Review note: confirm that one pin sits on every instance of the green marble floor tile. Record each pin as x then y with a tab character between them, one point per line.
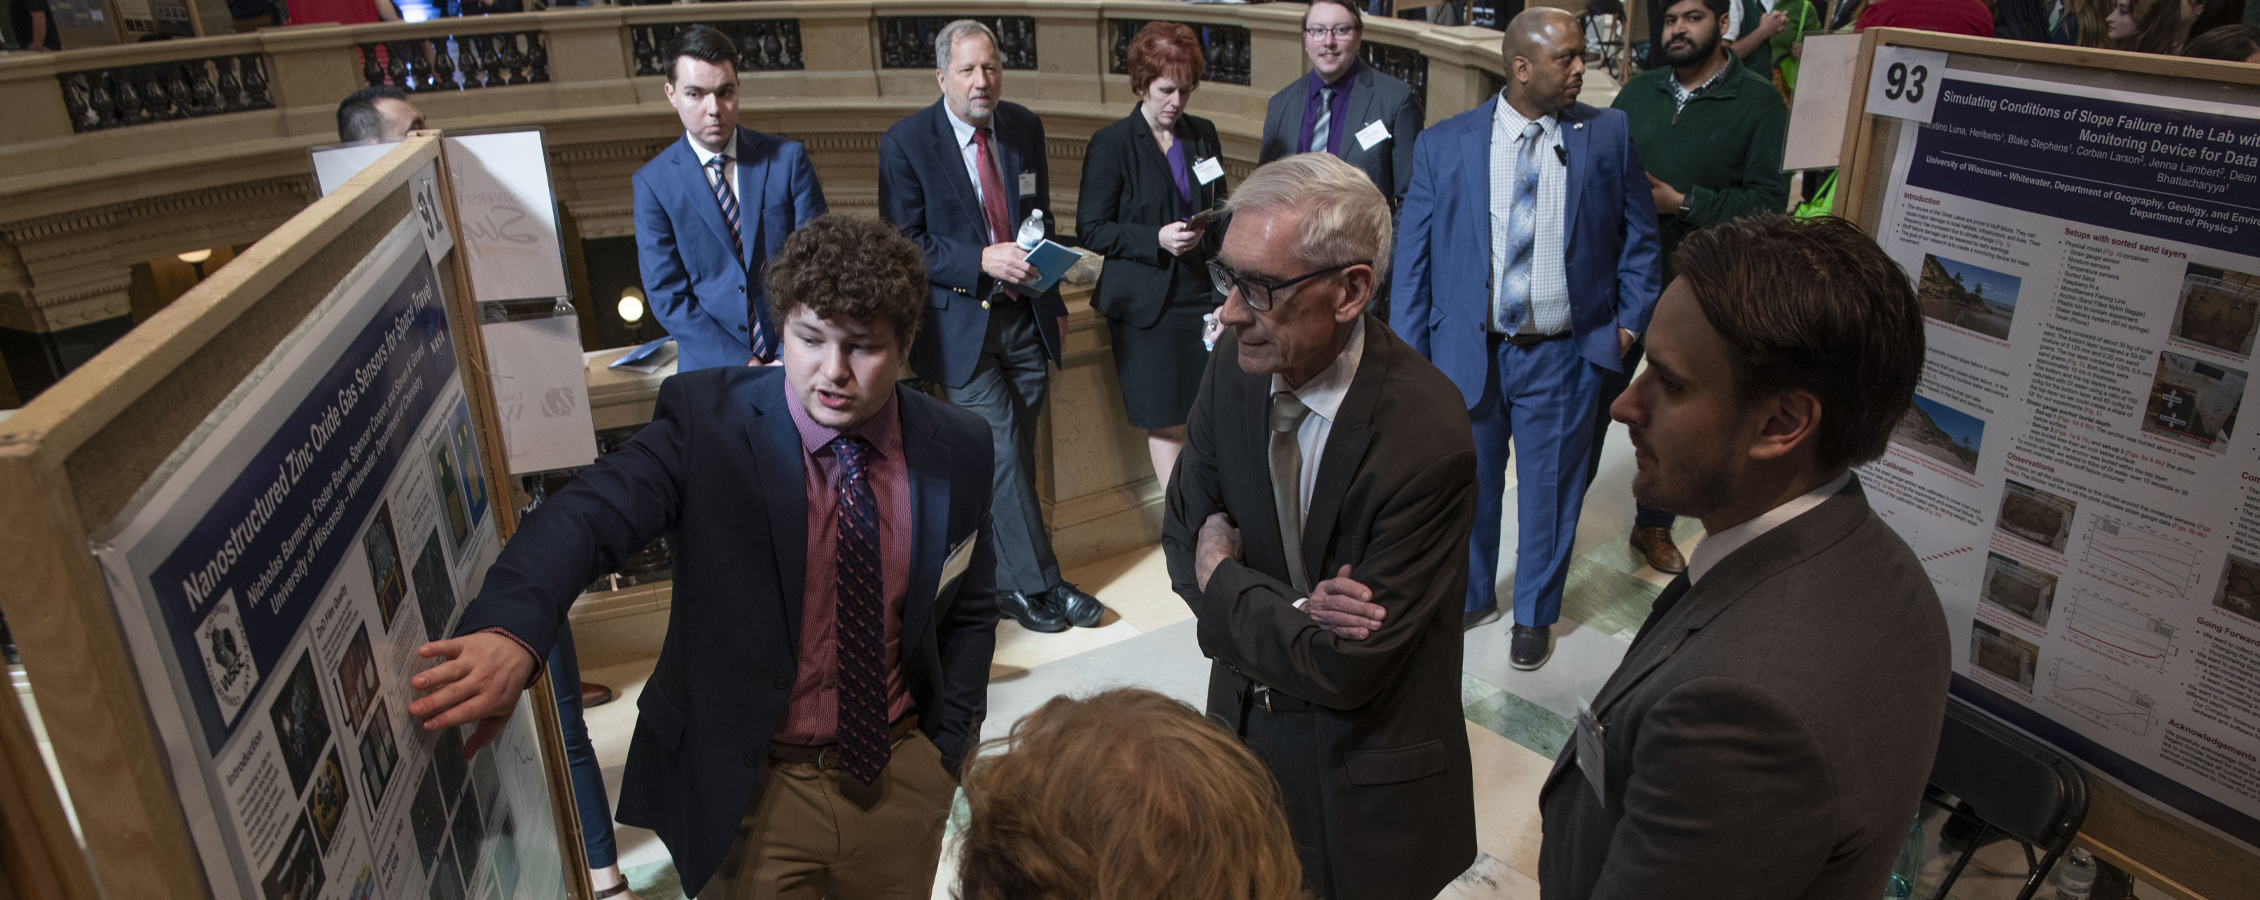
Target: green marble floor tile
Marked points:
1475	690
655	881
1541	730
1605	599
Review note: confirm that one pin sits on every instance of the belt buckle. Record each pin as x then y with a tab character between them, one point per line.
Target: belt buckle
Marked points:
828	756
1263	695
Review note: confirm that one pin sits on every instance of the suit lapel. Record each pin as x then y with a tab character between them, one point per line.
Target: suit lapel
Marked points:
1573	178
1346	444
953	165
698	194
780	468
1251	432
928	460
1008	174
1476	210
753	178
1294	119
1364	108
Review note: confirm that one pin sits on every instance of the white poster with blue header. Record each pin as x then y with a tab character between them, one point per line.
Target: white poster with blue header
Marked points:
2077	472
274	580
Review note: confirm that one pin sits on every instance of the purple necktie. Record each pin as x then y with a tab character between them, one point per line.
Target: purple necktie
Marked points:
861	623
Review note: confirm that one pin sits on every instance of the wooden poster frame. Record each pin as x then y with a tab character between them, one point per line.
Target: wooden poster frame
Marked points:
70	461
2166	852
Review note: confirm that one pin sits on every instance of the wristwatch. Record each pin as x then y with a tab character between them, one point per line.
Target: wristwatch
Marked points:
1686	206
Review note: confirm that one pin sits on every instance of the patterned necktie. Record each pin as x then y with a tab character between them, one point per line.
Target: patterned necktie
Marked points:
1522	233
1287	412
861	624
756	313
992	189
1321	130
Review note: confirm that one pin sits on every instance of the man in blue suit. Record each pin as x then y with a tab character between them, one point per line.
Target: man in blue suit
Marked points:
826	663
1526	266
712	207
959	177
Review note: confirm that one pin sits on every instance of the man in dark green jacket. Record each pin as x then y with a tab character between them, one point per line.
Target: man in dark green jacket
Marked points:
1710	132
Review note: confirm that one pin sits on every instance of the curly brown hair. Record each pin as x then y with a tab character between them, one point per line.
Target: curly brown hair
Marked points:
855	267
1165	50
1125	795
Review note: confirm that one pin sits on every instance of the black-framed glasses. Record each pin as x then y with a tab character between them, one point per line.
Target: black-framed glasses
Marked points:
1319	32
1258	294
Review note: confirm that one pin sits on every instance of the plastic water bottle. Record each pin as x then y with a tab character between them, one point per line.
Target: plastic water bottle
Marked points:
1901	884
1031	231
2075	879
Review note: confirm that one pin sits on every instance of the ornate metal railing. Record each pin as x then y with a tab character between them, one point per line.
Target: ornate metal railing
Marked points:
164	91
764	45
456	62
1223	47
907	42
1408	66
1485	14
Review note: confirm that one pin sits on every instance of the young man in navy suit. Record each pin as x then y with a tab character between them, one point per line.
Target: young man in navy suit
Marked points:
959	177
1527	265
712	208
826	664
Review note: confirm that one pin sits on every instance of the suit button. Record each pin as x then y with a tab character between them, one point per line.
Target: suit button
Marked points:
741	289
753	760
741	328
984	304
784	681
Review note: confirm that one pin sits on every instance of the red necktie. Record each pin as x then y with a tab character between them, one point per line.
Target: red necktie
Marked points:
992	188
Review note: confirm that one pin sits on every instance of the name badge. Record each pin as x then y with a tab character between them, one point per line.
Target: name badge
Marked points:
1027	184
960	557
1372	134
1592	751
1208	170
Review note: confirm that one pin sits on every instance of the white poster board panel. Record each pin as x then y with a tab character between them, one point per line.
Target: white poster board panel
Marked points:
541	393
336	165
274	580
1824	97
508	214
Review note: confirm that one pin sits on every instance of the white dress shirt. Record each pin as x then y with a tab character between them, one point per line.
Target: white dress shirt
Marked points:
1323	393
1723	544
972	155
705	165
1548	309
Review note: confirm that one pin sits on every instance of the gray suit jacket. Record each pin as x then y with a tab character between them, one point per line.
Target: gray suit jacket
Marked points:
1771	735
1376	96
1395	501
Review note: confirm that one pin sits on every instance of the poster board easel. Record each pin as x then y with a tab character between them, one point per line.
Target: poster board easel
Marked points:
75	457
2129	830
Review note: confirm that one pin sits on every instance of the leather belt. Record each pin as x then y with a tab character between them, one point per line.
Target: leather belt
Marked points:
1531	340
1256	694
827	756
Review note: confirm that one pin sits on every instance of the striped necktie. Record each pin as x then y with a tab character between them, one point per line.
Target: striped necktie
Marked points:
1322	130
757	313
861	624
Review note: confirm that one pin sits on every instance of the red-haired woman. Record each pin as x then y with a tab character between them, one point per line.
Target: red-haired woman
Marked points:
1143	179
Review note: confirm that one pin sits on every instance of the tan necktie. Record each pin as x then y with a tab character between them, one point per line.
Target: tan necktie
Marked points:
1287	414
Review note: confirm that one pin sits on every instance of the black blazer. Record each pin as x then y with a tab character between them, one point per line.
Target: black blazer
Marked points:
1770	737
719	472
1127	195
1394	500
1374	97
924	190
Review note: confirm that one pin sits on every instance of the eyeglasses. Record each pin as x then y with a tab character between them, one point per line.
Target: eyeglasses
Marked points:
1258	294
1319	32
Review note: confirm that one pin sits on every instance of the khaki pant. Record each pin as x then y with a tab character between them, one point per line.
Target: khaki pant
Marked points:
805	839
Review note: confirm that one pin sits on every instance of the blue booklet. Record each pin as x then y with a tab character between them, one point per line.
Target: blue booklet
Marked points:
1052	260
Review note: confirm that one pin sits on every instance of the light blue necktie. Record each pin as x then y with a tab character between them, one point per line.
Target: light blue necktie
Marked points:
1522	233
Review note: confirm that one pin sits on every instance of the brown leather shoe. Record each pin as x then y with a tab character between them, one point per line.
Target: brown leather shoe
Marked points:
593	694
1657	546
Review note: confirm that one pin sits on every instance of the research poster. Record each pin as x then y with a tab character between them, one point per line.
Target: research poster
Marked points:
274	581
2075	472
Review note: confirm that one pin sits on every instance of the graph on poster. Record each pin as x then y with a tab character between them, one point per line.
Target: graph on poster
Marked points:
2141	558
2100	699
2121	633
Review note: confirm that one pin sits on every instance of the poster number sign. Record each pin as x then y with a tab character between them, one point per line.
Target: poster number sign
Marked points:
423	191
1903	82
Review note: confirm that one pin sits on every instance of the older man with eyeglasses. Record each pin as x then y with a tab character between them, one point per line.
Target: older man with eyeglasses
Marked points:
1318	526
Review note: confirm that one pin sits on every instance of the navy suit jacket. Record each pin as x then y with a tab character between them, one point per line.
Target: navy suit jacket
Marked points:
925	191
719	472
1442	277
697	287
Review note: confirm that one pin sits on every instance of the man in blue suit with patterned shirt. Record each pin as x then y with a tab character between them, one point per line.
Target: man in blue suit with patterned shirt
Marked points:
713	207
1526	266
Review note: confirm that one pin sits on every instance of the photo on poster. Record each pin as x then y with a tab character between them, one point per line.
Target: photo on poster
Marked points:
2239	591
325	804
435	594
1966	296
470	830
1941	432
2026	592
364	885
427	817
226	649
2193	403
297	872
2036	515
383	553
447	881
357	677
302	722
451	493
2219	308
447	758
380	755
466	446
2006	655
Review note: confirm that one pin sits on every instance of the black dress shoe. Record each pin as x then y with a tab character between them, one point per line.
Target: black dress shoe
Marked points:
1532	645
1080	609
1034	613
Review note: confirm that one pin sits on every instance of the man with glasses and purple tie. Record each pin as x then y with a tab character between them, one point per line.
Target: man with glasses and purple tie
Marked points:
712	208
1345	107
1526	265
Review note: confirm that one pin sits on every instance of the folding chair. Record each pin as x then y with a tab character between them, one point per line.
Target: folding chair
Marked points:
2009	785
1603	22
